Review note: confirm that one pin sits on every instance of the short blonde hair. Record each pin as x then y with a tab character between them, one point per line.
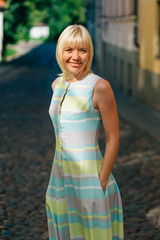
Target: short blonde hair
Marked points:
76	35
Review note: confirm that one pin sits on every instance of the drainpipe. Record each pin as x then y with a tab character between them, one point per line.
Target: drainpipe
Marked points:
136	24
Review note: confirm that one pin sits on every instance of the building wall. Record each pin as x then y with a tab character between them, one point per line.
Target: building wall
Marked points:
90	14
116	53
148	88
124	56
148	24
39	31
98	50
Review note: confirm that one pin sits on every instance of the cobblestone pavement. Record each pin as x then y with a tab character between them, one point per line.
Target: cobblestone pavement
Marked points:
137	172
26	152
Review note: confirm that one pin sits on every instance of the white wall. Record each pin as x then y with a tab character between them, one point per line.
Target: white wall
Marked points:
118	27
39	31
113	8
120	34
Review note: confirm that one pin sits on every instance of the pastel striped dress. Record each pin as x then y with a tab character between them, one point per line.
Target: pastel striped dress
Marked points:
77	208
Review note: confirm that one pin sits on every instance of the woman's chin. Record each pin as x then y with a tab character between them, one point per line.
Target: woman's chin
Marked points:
75	71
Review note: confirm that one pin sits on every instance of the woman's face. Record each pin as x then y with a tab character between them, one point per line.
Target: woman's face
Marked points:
75	58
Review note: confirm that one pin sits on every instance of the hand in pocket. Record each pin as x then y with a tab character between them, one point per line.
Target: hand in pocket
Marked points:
103	184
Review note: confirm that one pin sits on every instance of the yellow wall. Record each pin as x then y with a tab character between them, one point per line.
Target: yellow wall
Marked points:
148	30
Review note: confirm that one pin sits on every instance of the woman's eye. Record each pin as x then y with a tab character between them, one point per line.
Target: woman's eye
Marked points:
68	50
83	50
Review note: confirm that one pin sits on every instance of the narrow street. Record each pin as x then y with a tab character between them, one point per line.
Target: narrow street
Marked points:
27	147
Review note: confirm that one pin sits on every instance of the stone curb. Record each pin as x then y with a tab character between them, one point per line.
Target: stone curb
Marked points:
140	115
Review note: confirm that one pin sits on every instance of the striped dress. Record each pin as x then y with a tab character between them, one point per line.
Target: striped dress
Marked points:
77	208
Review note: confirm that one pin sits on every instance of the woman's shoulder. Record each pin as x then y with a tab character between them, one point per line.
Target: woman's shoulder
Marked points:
54	82
102	85
103	93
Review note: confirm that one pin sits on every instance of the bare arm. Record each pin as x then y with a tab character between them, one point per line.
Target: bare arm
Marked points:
103	99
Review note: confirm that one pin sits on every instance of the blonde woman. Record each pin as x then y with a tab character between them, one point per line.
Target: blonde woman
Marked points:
83	201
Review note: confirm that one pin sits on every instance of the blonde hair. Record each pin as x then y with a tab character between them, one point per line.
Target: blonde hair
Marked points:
76	35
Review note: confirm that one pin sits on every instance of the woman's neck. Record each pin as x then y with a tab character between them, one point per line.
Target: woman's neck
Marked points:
77	77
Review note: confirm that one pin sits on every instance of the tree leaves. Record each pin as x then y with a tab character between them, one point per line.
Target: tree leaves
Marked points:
58	14
63	13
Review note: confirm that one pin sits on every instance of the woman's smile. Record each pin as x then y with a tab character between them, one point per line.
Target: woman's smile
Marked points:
75	59
74	64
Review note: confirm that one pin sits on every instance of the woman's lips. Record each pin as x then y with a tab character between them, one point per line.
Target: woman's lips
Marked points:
75	64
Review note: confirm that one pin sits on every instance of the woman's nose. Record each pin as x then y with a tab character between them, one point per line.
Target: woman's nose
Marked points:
75	54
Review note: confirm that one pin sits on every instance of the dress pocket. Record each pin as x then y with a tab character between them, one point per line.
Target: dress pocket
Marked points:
101	185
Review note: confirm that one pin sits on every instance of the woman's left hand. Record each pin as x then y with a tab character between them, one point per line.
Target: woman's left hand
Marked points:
103	183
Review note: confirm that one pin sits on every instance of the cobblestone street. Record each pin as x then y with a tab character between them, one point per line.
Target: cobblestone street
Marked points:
27	149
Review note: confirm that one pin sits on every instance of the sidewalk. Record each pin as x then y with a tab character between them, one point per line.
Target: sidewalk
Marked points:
5	68
22	49
140	115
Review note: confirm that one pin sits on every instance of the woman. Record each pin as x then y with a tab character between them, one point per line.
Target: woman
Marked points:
82	199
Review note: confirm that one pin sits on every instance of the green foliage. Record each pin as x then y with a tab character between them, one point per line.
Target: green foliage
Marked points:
41	39
63	13
17	21
20	16
10	52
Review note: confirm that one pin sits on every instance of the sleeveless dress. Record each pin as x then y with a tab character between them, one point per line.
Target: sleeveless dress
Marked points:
76	206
